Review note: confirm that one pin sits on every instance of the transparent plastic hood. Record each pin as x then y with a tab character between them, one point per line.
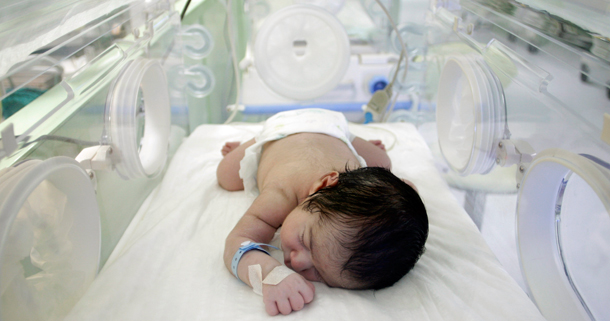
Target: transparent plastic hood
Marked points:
26	25
83	84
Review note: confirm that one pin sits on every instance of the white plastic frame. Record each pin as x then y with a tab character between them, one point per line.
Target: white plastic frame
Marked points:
68	177
145	158
541	263
481	116
299	82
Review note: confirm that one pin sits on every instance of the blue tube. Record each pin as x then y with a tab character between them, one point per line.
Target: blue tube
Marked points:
340	107
368	117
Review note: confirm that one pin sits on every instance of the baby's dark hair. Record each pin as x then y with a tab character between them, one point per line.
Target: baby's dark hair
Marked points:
386	220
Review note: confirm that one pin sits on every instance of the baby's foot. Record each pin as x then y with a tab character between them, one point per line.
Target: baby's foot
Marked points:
377	143
229	147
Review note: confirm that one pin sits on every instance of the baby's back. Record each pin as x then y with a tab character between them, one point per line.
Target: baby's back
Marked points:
294	163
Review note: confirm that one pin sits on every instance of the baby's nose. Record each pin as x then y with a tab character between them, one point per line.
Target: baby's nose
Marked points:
299	261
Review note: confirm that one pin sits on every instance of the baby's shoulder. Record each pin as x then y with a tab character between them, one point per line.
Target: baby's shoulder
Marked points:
284	177
291	179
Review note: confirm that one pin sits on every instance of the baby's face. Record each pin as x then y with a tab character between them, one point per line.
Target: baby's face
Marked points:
309	248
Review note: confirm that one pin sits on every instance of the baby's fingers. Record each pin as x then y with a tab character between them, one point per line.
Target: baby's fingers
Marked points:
296	302
271	308
284	306
308	293
377	143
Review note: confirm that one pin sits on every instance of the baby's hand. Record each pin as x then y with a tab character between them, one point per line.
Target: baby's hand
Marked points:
289	295
377	143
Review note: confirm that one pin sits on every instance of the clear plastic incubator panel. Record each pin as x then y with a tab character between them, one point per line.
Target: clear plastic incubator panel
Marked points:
522	103
513	98
94	101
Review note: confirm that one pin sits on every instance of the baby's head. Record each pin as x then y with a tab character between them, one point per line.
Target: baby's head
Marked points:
366	231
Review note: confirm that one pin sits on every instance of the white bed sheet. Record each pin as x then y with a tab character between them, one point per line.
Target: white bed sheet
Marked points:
168	265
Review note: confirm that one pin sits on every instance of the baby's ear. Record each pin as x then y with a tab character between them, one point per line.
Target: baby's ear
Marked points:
329	179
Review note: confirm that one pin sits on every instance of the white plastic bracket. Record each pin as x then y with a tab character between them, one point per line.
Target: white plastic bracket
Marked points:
247	61
456	23
96	158
511	152
239	107
9	142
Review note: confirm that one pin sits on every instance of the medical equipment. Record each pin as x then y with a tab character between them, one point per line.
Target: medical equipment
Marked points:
108	200
246	246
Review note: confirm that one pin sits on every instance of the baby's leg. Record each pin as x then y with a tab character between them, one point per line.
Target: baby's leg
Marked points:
227	172
373	152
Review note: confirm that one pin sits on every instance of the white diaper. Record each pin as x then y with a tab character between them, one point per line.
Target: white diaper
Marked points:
292	122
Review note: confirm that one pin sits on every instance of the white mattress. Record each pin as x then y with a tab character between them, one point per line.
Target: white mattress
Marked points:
168	265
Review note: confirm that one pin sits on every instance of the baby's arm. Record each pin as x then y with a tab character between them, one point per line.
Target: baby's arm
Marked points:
259	224
227	172
373	154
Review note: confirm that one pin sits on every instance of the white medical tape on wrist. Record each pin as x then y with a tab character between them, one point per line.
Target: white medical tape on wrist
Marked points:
255	275
278	274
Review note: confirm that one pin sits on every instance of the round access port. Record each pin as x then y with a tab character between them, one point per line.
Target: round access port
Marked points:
139	119
563	226
470	115
49	238
301	52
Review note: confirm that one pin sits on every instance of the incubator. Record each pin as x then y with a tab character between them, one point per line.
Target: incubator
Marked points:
512	98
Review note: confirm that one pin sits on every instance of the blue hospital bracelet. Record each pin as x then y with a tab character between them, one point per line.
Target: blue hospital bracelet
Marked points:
245	247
